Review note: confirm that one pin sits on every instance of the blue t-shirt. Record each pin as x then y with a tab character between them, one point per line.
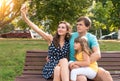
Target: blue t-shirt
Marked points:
92	41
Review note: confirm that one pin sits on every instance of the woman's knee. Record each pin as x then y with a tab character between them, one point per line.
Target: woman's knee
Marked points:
63	61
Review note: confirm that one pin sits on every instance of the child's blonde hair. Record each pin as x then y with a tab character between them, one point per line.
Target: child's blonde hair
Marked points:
84	45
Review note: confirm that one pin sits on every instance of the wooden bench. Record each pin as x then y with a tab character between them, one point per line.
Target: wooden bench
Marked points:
36	59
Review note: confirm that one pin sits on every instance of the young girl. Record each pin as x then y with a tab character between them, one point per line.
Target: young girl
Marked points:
82	65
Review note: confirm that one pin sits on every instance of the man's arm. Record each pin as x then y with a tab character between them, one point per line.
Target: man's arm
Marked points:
96	55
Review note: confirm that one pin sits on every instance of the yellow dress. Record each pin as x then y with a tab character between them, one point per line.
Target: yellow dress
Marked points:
94	65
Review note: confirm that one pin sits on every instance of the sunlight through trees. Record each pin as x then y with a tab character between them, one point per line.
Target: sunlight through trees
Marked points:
9	9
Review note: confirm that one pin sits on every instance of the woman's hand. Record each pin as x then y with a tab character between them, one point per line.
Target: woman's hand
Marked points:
24	10
47	59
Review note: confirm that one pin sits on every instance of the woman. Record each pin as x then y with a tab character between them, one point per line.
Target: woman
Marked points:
57	51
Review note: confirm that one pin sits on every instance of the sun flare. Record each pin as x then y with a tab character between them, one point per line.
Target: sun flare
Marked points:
4	3
1	3
6	7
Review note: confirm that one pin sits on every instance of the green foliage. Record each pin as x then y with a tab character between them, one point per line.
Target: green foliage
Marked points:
58	10
102	15
18	22
7	28
9	10
108	13
115	15
106	16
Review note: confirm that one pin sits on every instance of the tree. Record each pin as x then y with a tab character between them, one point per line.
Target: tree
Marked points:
7	28
50	12
101	16
9	10
113	14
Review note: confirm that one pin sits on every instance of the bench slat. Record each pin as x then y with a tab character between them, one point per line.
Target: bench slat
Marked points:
34	63
36	54
109	63
32	72
110	55
35	59
110	68
110	59
33	67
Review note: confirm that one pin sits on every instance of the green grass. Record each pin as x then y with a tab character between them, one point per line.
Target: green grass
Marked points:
110	45
12	54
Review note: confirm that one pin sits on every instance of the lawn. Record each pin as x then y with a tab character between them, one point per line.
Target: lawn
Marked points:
110	45
12	54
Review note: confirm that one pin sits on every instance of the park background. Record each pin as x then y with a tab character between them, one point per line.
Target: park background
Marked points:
105	16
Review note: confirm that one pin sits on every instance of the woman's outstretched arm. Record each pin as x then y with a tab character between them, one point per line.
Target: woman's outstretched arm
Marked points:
44	35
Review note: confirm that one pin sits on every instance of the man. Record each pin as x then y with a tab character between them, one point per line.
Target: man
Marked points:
83	25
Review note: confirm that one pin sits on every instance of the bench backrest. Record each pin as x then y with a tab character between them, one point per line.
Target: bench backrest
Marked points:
110	61
36	59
